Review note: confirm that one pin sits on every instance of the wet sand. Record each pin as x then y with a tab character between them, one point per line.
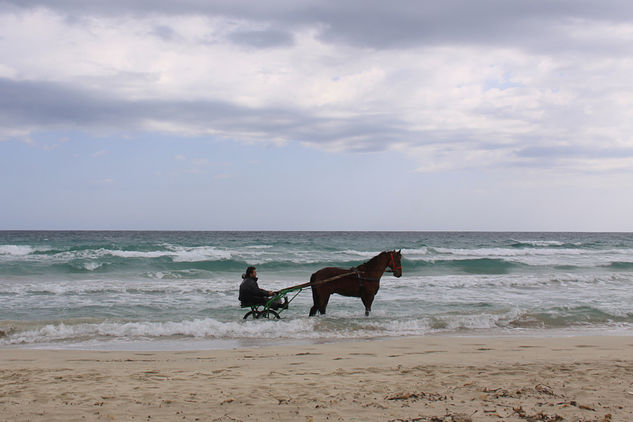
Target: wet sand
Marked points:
412	379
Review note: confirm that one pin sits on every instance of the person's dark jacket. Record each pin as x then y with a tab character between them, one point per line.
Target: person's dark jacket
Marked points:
250	293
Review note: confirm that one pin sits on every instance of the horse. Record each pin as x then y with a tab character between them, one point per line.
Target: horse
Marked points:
362	281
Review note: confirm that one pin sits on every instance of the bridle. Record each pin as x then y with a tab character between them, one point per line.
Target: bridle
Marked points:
392	262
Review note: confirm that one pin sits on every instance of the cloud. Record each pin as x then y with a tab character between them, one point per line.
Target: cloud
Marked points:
539	24
164	32
45	105
262	39
99	153
453	84
37	104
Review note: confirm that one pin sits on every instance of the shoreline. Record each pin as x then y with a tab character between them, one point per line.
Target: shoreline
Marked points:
473	378
189	344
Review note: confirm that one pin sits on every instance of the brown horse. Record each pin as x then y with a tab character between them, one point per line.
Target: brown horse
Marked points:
362	281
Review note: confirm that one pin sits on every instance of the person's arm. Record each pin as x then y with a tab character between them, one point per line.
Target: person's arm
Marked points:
260	292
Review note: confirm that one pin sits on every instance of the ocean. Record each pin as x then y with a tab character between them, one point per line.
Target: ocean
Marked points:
134	290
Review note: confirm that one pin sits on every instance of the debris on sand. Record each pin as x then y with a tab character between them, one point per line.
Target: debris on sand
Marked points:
540	416
545	389
451	417
417	396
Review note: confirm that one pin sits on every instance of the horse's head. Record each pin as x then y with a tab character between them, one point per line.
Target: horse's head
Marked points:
393	262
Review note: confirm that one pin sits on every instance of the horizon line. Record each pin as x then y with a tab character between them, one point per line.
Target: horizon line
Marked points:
314	231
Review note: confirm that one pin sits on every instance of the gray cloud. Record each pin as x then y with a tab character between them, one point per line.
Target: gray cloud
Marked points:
536	25
32	106
262	39
28	103
573	151
45	105
37	105
164	32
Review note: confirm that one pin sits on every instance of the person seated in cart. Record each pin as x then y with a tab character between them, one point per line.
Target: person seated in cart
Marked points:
251	294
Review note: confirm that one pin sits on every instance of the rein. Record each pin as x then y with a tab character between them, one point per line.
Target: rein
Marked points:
309	283
392	264
353	271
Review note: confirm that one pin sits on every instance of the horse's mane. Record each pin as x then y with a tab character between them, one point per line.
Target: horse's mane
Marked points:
370	263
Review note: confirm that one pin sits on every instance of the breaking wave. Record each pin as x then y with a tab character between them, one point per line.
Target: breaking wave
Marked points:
341	325
67	288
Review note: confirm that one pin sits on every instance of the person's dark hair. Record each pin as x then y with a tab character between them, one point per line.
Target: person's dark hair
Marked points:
249	272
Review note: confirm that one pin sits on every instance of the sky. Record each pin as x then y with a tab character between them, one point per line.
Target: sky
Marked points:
316	115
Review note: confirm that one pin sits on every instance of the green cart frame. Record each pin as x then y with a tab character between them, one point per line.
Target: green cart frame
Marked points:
264	311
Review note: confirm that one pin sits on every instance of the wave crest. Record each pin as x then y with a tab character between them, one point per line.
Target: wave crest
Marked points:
16	250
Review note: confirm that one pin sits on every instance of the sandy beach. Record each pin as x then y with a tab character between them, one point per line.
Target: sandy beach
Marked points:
411	379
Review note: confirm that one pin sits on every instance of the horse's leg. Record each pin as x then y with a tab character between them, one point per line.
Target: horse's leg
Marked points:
315	299
367	299
325	298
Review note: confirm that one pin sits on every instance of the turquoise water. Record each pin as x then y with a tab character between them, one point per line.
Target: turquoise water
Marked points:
122	289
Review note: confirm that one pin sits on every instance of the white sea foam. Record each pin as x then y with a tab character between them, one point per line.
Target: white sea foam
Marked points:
178	254
543	242
448	309
541	256
197	328
264	254
200	253
415	252
16	250
506	252
91	266
563	284
355	253
152	293
299	328
131	254
336	325
163	275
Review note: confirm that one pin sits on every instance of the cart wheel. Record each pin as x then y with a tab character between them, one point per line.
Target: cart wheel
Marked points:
270	314
255	314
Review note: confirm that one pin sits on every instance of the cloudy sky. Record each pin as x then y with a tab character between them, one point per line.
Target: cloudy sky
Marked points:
326	115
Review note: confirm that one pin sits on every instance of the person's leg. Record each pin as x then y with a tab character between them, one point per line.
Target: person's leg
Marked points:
255	301
278	304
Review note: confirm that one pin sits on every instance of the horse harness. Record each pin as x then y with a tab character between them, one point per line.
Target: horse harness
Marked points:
392	264
355	271
361	279
358	273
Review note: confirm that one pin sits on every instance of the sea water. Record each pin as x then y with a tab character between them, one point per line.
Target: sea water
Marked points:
178	290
